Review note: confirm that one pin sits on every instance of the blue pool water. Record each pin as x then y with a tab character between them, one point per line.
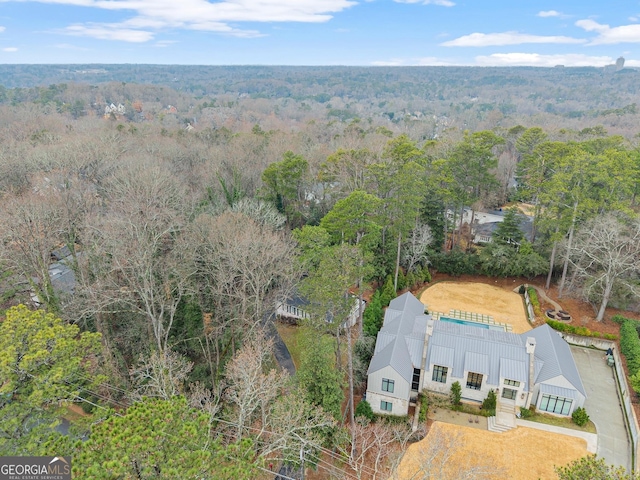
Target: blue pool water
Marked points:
472	324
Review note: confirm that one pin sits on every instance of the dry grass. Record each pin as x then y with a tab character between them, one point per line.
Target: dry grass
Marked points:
522	453
503	305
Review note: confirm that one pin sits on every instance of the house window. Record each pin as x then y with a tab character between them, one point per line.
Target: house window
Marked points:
553	404
439	374
385	406
387	385
474	381
513	383
415	382
509	393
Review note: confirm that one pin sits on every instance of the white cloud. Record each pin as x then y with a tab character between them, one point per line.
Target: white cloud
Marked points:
10	49
109	32
633	19
2	29
506	38
442	3
549	13
632	63
611	36
204	15
538	60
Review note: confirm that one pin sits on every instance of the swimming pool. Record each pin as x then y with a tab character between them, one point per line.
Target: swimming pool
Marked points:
472	324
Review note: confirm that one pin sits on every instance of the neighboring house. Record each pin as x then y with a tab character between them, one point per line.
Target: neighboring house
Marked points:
293	308
63	278
483	224
531	369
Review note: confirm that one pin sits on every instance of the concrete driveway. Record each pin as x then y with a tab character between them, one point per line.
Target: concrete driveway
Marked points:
603	406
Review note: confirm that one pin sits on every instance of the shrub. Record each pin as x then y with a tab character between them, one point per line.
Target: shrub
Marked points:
363	409
411	280
577	330
373	315
630	345
388	292
424	406
402	280
456	262
526	412
522	289
580	417
456	394
489	403
533	296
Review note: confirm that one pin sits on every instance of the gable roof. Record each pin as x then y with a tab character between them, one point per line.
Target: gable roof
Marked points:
557	357
401	339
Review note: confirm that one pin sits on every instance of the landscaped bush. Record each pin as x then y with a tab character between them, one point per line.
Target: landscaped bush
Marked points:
424	406
489	403
456	394
533	296
363	409
580	417
577	330
526	412
630	346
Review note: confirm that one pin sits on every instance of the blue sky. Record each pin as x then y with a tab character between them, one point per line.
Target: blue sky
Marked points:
321	32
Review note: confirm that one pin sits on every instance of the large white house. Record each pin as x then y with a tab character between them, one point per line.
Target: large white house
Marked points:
413	352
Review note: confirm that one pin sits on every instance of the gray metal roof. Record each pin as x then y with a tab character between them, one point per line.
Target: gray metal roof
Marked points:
476	362
401	339
442	356
556	355
557	391
514	370
467	348
476	349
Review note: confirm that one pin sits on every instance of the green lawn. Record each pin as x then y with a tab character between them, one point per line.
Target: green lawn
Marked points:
290	335
561	422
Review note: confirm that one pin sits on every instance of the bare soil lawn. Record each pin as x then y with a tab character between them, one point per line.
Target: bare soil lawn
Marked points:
521	453
503	305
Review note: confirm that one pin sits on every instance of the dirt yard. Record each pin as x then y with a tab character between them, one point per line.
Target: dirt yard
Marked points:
503	305
522	453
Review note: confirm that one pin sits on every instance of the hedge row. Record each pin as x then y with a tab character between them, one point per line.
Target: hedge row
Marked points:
575	330
630	345
533	296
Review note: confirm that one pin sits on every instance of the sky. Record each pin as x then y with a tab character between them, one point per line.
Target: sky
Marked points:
321	32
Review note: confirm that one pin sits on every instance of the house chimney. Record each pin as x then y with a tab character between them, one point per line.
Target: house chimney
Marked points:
430	327
531	348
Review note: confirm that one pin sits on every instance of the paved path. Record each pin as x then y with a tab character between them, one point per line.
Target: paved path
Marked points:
543	295
603	406
280	350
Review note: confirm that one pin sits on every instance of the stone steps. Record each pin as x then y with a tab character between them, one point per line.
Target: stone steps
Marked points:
494	426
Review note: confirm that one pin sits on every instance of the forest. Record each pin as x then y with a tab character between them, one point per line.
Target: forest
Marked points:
155	217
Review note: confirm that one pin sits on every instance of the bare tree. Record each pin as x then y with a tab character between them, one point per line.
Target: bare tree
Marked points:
415	248
435	458
160	375
241	264
606	252
140	261
30	230
249	388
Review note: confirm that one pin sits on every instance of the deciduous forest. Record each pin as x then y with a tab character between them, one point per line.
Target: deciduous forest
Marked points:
154	217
